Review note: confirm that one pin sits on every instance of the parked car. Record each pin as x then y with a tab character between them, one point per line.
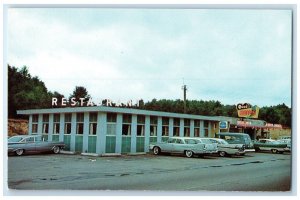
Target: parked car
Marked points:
224	148
288	143
32	144
269	145
184	145
285	137
237	138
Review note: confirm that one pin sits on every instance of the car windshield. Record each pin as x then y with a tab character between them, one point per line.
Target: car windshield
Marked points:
15	139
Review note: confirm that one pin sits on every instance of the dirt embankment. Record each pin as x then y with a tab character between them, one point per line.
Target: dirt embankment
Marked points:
17	127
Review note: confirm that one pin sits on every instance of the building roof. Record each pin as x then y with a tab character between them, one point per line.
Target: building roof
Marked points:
116	110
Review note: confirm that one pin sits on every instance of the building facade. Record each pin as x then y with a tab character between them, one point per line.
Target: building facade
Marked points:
103	129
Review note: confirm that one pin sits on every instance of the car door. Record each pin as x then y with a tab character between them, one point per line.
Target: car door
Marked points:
169	145
29	145
178	146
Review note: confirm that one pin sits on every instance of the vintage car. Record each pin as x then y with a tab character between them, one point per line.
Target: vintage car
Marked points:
224	148
237	138
269	145
288	143
184	145
32	144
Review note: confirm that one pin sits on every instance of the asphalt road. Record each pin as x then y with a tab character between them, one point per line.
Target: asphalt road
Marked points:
254	172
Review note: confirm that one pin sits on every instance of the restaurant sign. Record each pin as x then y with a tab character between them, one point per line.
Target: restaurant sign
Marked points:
247	111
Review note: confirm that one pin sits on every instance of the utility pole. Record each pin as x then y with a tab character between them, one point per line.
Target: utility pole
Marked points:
184	88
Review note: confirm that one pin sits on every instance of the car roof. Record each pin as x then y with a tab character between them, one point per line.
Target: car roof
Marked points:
178	137
231	133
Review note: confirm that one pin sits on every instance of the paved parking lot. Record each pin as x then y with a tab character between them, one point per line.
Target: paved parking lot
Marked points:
253	172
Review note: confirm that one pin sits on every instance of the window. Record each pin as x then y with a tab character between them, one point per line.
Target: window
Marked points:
197	132
187	123
205	124
205	132
111	117
45	123
111	123
140	125
153	126
176	126
197	128
35	121
56	124
93	124
126	128
205	128
79	125
68	123
165	126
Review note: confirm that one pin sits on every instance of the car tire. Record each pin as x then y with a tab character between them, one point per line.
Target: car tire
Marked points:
56	149
222	153
19	152
156	150
189	153
274	150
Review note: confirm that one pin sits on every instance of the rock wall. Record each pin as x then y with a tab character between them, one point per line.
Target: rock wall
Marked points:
17	127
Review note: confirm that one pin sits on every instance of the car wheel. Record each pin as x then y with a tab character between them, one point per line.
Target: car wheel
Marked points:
222	153
189	153
156	150
19	152
274	150
56	149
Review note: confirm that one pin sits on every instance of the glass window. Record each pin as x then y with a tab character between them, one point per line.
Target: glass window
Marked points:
35	118
205	124
34	128
186	122
111	117
126	129
45	118
176	131
79	125
68	122
165	131
45	123
153	130
197	123
80	117
126	118
141	119
176	122
93	124
111	129
56	118
68	117
186	132
56	123
197	132
153	120
140	130
165	121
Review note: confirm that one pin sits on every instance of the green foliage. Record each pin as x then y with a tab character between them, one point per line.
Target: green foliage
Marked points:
26	92
80	92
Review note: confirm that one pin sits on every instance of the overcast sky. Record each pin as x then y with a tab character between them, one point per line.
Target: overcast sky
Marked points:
233	56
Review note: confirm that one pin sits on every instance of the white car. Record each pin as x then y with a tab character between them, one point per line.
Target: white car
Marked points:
224	148
188	146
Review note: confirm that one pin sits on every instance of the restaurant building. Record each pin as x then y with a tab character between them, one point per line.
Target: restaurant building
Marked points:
103	129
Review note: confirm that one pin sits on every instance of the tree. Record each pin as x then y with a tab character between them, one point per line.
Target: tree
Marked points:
80	94
25	91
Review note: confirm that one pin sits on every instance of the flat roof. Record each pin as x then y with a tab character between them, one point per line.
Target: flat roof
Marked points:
117	110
